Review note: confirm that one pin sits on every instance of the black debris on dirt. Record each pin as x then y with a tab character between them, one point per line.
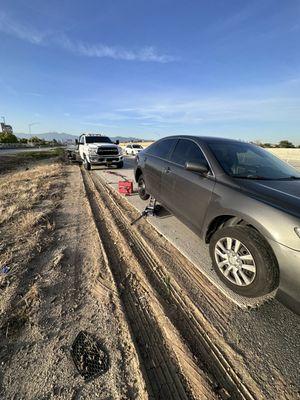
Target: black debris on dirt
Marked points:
89	355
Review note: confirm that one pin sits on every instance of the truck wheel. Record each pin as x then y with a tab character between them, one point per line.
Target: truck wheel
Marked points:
244	261
142	188
120	164
86	164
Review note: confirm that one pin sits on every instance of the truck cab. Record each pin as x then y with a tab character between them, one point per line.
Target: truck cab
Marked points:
96	149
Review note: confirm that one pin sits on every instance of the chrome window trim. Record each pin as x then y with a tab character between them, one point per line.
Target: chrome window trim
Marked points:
160	141
211	172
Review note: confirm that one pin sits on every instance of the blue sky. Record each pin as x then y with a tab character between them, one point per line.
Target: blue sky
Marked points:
152	68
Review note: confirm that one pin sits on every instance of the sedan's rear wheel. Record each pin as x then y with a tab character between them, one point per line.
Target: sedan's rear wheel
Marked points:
244	261
142	188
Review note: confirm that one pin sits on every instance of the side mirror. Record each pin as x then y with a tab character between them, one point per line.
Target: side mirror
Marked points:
76	142
199	167
117	141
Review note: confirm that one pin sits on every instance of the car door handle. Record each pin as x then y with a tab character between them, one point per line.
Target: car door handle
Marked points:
167	170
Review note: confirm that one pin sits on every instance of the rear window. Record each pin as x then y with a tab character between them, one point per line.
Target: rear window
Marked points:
186	150
162	148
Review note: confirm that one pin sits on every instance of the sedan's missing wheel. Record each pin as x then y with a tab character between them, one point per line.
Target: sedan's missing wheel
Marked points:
142	188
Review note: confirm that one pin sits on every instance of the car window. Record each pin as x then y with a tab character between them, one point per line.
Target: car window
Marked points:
81	140
97	139
244	160
161	148
187	150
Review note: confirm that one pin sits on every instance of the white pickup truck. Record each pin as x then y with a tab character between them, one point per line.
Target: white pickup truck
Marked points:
95	149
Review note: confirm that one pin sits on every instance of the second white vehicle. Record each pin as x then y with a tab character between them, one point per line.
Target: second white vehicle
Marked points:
133	149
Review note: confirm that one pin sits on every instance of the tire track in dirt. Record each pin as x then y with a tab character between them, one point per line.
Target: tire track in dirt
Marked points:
157	341
192	332
266	371
208	346
205	295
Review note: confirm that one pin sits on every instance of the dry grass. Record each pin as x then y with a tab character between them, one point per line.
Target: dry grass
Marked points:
28	199
9	161
22	312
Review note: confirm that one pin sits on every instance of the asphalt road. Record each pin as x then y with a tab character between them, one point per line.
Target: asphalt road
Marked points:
24	150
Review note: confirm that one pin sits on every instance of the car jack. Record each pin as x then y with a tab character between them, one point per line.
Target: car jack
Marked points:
149	210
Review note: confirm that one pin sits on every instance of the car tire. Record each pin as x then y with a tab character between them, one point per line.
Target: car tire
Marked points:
251	270
142	188
87	165
120	164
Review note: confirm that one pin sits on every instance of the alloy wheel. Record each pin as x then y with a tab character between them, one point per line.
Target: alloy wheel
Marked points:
235	261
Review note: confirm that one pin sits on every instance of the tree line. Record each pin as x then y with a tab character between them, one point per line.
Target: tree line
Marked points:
284	144
7	137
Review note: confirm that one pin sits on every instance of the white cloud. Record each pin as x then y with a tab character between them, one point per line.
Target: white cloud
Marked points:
148	53
13	28
34	94
198	111
98	50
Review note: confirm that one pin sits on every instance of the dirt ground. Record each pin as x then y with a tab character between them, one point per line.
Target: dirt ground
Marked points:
71	262
57	285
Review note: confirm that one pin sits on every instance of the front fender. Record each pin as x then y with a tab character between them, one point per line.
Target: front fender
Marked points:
271	222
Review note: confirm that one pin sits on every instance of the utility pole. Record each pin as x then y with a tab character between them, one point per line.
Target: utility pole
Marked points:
30	125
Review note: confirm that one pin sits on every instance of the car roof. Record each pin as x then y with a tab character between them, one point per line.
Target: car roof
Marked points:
93	134
204	139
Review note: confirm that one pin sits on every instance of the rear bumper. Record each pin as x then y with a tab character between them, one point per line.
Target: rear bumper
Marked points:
289	281
104	160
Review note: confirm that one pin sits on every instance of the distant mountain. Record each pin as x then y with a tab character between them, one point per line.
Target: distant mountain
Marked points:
66	137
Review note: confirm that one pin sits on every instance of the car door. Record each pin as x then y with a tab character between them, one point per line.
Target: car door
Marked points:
155	160
187	194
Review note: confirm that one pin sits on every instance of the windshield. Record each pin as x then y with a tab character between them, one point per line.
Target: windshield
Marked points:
247	161
97	139
136	146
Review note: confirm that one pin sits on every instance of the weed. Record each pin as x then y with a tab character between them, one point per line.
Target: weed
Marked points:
167	281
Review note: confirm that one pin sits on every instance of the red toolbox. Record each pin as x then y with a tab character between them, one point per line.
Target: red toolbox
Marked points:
126	187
